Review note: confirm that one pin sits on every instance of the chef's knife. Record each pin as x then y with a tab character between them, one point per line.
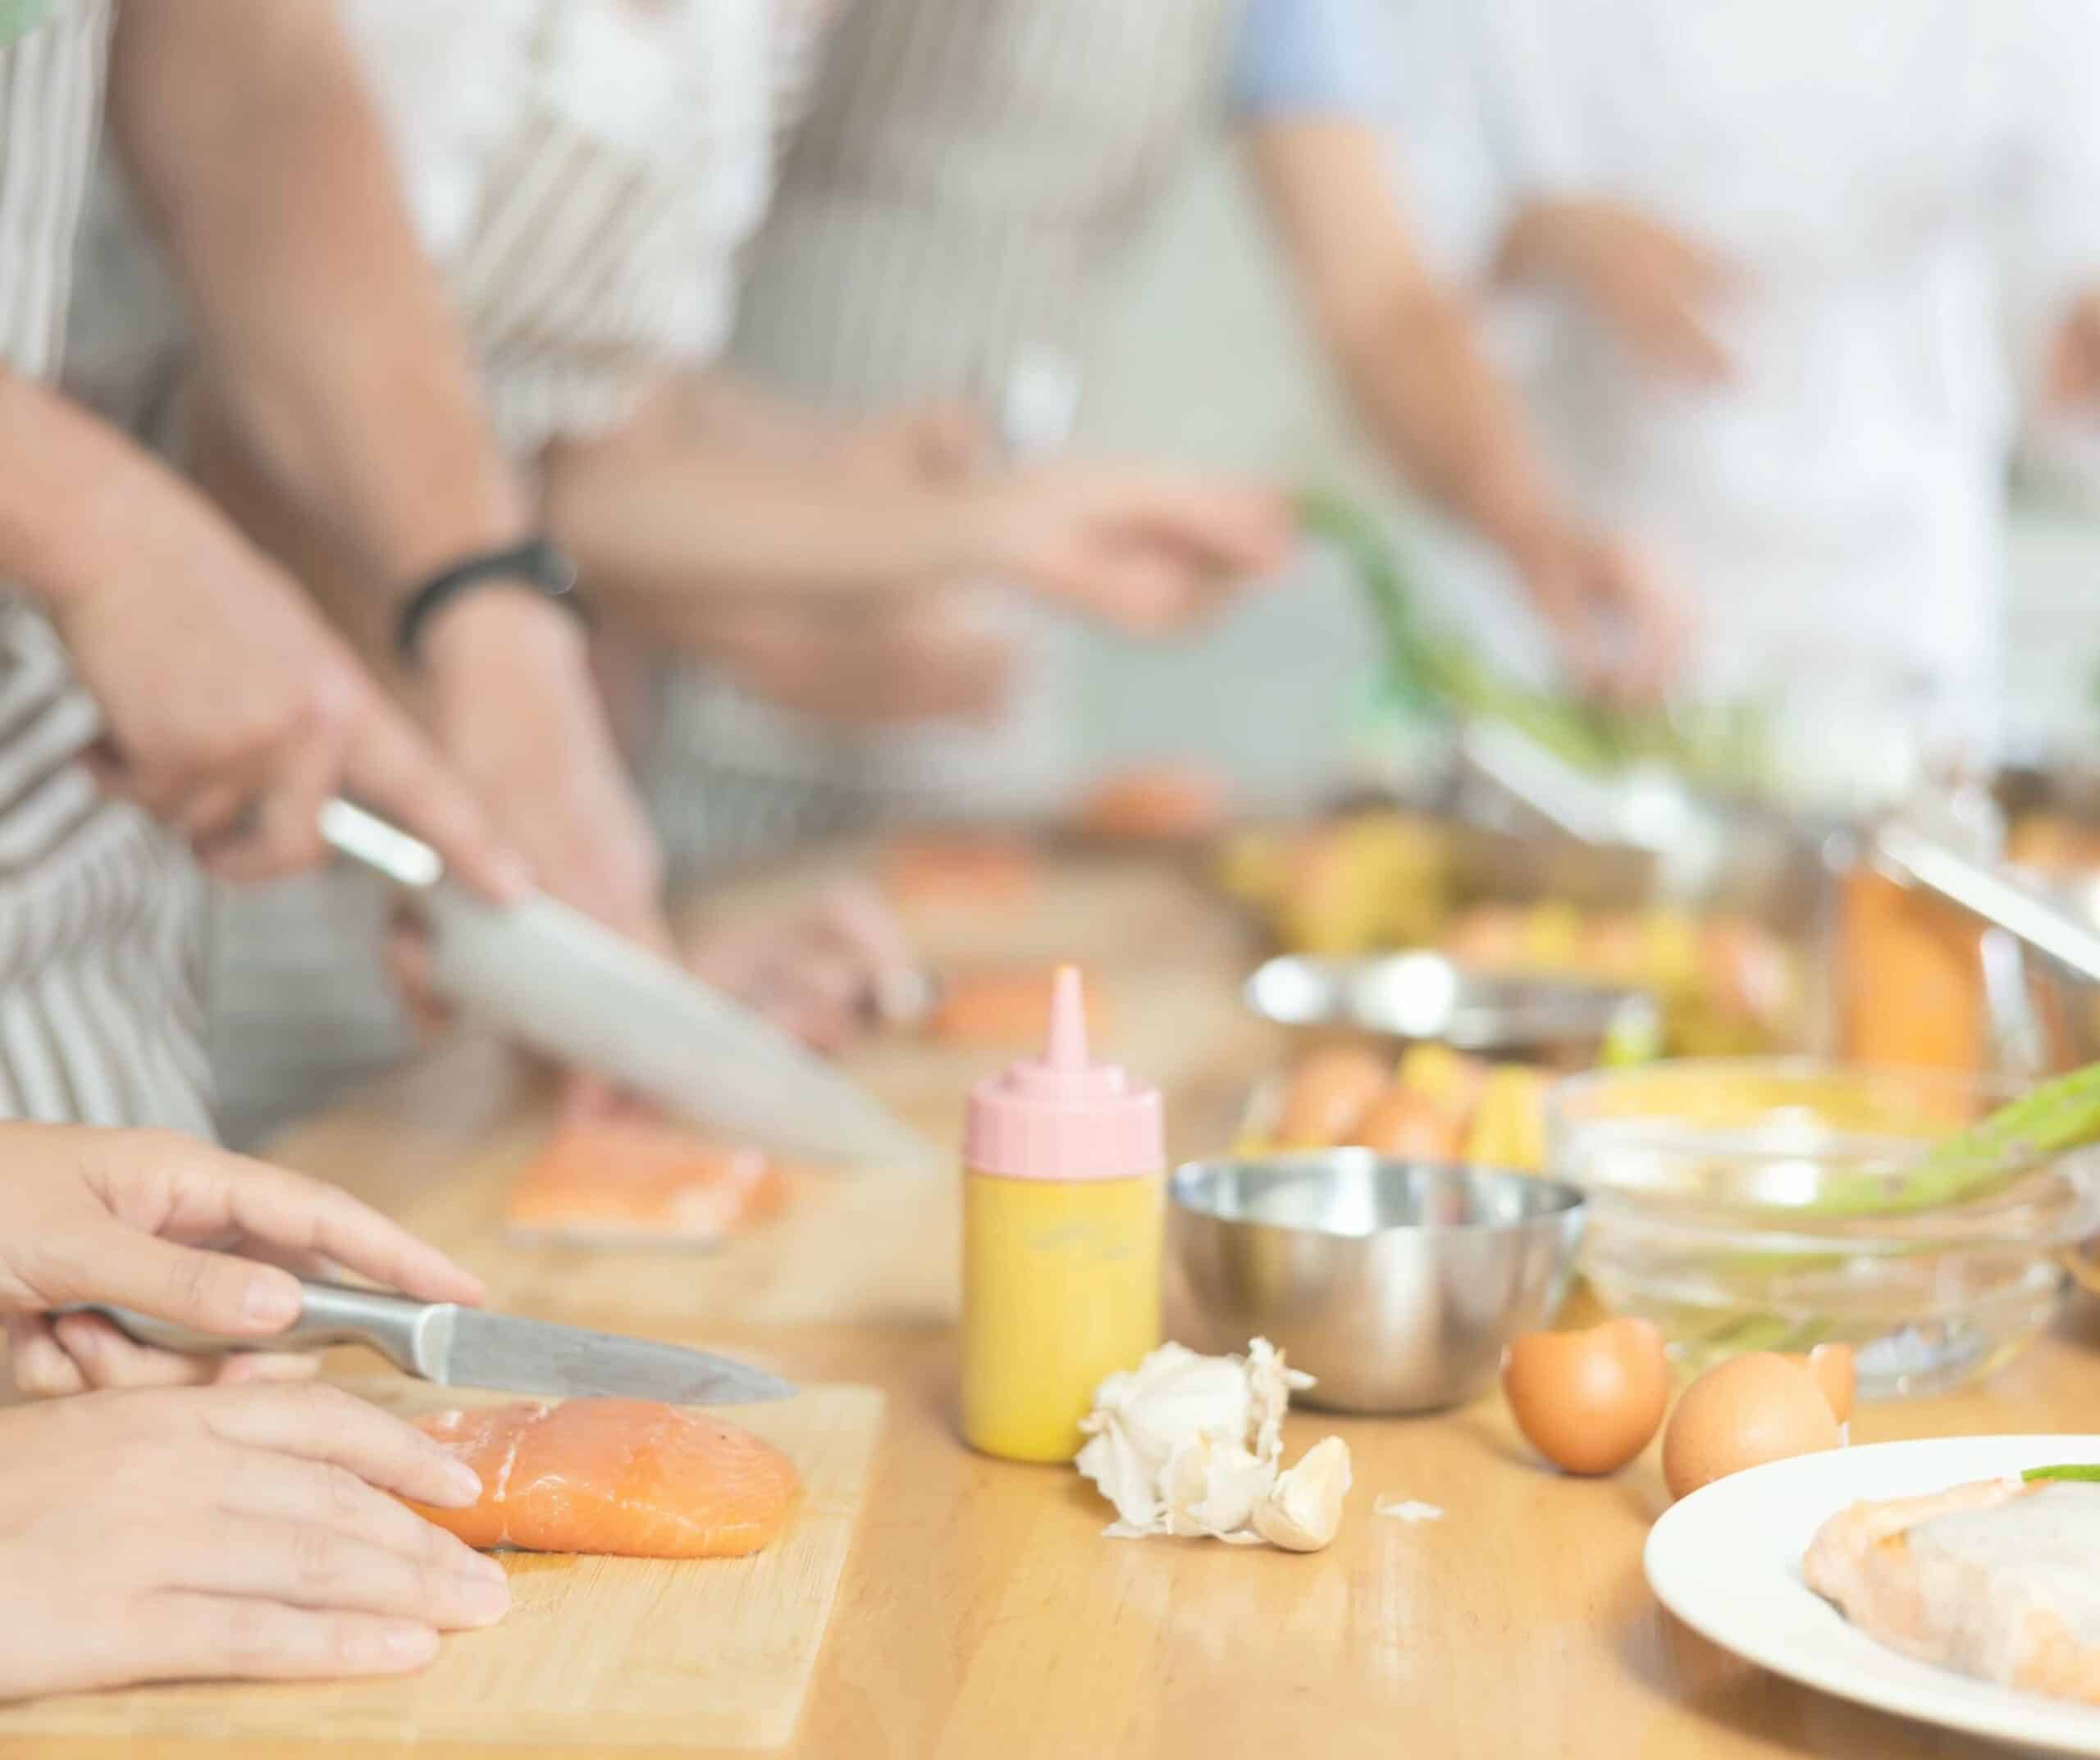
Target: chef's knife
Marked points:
573	989
455	1347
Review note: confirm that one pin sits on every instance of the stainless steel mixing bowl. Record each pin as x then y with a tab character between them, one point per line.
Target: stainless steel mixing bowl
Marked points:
1397	1284
1425	995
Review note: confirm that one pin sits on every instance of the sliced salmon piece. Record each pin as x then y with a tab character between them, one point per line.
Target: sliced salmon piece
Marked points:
626	1175
975	870
1004	1007
2000	1580
627	1477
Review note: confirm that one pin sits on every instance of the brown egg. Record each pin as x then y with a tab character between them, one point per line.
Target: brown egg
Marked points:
1590	1400
1328	1093
1742	1413
1830	1366
1409	1126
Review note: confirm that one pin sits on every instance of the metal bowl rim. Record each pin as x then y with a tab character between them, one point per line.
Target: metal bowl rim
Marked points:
1557	1008
1560	1201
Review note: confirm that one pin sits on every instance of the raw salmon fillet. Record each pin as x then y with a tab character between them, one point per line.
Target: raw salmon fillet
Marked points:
627	1477
981	871
633	1176
1003	1007
2000	1580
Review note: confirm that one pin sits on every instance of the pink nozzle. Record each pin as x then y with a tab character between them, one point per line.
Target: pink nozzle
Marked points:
1062	1116
1067	1048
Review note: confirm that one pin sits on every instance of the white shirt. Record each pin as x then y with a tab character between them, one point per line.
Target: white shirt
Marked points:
1905	186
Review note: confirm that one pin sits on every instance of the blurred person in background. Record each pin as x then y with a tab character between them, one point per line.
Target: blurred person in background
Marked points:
582	171
951	216
154	667
1777	282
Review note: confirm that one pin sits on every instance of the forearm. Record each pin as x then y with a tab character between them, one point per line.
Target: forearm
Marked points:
327	337
733	413
70	486
1415	373
658	524
1403	343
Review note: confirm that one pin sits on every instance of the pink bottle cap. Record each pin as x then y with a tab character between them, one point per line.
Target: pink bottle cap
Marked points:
1061	1117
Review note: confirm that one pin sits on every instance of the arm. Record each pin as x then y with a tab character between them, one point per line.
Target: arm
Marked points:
342	408
229	710
1405	346
668	525
258	160
1403	342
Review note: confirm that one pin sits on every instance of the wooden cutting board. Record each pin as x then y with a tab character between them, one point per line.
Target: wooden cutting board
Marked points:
596	1652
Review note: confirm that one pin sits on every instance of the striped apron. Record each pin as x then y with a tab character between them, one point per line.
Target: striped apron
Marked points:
100	1015
967	174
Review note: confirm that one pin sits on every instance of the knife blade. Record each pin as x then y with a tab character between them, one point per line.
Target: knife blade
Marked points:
451	1346
573	990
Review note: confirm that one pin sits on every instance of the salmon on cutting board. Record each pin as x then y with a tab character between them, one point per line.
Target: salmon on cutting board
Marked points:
1999	1580
627	1477
600	1653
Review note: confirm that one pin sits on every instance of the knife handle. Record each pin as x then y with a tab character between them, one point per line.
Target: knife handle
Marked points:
330	1314
366	837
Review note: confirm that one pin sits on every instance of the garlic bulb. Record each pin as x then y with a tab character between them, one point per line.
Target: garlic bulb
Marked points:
1192	1445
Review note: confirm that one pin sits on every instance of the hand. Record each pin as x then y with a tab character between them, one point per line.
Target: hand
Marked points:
123	1217
509	692
233	712
226	1532
941	443
1146	550
2071	377
822	971
910	658
1650	285
1619	634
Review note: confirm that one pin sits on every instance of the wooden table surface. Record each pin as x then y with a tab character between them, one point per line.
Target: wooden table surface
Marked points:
982	1615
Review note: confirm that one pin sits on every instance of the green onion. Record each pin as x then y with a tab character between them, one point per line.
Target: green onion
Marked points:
1427	668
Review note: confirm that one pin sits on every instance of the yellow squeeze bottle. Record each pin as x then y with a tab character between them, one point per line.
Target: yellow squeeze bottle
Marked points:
1064	1167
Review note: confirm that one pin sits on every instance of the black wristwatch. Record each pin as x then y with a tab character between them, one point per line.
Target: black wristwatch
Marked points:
535	566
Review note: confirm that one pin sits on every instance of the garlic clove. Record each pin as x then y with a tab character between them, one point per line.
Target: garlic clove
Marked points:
1303	1510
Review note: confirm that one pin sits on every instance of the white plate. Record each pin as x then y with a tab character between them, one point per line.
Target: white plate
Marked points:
1727	1561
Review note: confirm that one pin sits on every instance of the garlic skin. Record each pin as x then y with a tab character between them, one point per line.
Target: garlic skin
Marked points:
1303	1510
1191	1446
1212	1487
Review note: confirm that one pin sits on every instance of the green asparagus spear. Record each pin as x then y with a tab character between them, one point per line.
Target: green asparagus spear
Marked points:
2079	1475
2054	1118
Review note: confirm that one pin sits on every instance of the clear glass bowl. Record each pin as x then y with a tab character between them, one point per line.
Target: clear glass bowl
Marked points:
1772	1204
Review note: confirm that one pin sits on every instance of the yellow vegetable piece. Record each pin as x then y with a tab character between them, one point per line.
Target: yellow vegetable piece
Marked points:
1553	937
1669	953
1449	1078
1252	865
1509	1127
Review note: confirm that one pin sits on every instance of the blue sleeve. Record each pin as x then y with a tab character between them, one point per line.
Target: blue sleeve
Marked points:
1318	57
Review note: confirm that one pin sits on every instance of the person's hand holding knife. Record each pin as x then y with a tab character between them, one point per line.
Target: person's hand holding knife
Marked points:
171	1531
